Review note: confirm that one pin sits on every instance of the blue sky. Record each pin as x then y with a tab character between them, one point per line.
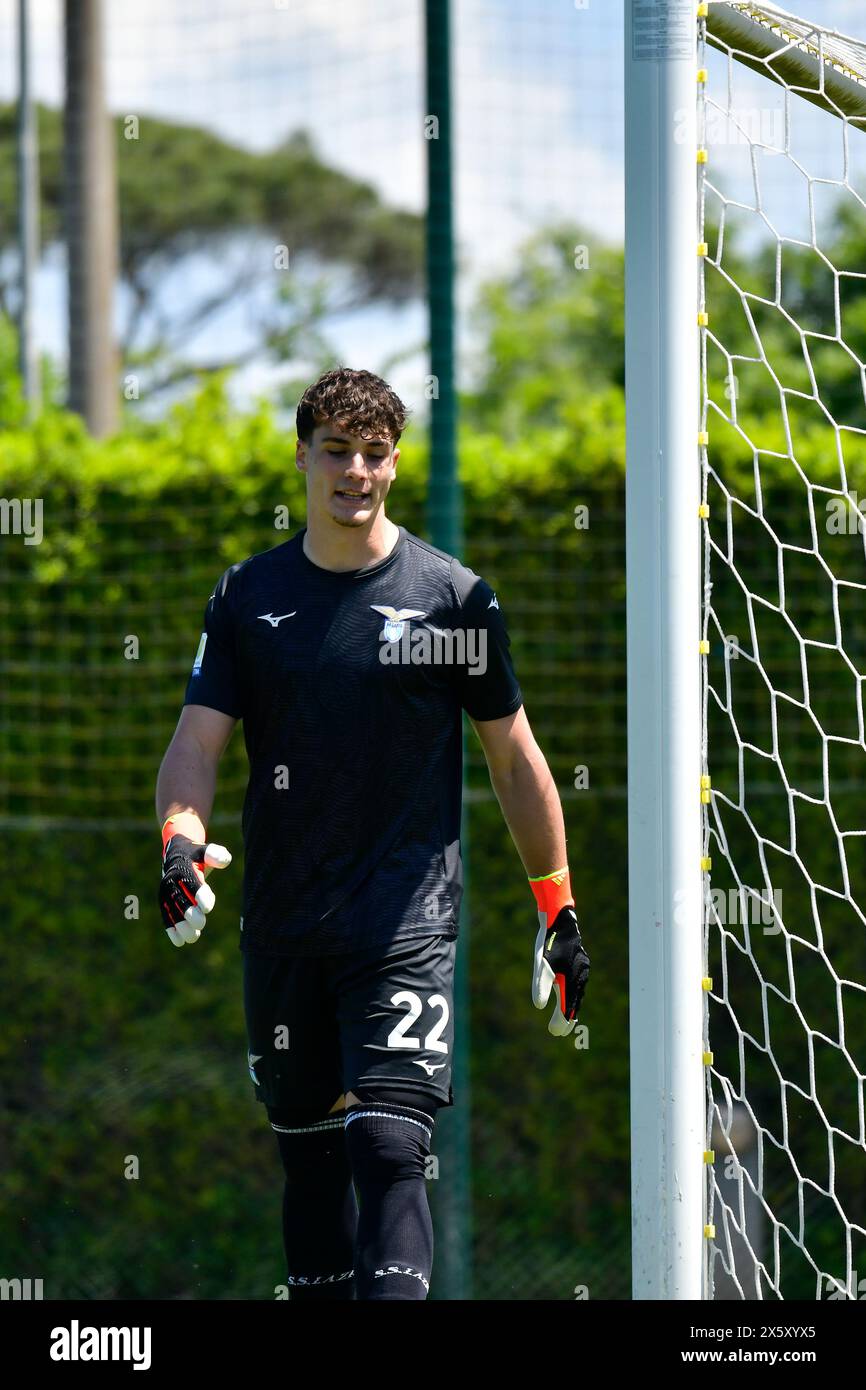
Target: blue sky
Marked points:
538	117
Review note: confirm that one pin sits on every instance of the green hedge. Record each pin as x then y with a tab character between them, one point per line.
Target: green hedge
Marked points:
115	1045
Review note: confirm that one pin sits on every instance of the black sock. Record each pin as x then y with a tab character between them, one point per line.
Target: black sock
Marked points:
388	1145
320	1210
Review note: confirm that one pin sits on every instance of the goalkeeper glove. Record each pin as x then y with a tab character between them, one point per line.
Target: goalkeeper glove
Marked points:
560	960
184	897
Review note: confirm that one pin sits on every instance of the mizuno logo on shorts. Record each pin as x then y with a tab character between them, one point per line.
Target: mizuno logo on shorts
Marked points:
419	1062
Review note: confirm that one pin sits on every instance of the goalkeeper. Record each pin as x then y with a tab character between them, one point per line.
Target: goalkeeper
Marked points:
349	652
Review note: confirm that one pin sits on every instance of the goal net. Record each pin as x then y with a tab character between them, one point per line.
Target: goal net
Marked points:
781	176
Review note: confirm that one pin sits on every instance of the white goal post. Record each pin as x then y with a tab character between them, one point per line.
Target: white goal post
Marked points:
745	283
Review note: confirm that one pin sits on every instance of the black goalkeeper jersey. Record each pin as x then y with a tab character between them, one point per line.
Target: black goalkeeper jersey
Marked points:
350	686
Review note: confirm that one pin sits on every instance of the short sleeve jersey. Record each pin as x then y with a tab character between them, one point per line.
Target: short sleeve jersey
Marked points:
350	686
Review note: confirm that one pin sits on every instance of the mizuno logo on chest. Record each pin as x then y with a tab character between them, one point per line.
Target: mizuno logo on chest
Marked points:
275	622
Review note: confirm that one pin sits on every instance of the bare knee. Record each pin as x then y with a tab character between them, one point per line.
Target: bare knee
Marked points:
342	1101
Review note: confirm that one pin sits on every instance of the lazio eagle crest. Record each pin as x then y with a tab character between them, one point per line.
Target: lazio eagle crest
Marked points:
395	619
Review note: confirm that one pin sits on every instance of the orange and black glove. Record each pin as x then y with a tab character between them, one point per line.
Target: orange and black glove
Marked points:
184	897
561	963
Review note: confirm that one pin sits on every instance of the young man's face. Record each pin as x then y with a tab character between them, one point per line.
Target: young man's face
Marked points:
348	476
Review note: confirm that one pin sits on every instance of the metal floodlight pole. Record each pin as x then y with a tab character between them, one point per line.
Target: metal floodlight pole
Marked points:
453	1195
663	616
91	221
28	211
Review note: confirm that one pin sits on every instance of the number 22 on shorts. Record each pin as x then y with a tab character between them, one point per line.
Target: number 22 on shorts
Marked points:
398	1034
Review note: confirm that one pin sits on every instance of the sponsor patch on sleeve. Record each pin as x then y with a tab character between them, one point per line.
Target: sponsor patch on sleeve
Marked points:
199	656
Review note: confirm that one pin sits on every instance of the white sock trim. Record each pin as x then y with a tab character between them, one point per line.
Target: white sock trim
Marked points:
335	1123
388	1115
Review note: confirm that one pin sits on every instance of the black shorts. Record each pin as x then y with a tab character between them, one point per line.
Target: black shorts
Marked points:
323	1025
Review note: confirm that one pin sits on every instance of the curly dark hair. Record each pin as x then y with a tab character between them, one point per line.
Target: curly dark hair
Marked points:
357	401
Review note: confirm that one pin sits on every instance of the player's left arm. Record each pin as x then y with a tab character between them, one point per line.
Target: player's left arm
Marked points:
525	790
532	810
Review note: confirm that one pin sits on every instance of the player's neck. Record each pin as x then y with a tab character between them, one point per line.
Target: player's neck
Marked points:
333	547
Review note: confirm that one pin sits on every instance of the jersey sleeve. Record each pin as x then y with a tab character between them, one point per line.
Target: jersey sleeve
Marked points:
487	685
214	679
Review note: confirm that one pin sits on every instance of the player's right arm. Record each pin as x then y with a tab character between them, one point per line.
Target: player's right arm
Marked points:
186	783
187	777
